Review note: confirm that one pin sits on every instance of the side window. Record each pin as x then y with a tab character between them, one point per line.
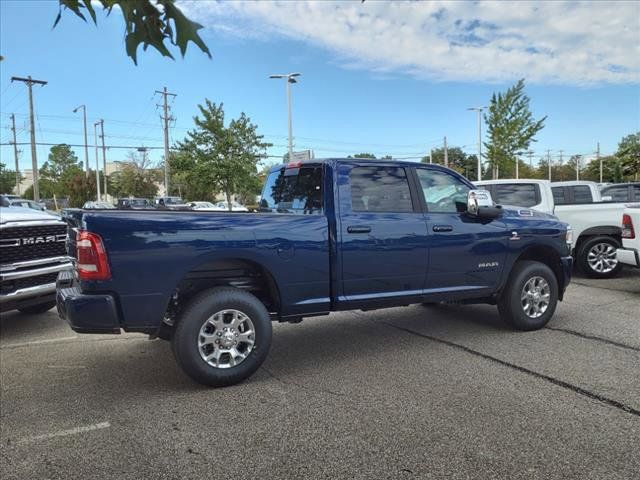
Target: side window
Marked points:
558	195
443	193
380	189
618	194
582	194
293	190
516	194
636	193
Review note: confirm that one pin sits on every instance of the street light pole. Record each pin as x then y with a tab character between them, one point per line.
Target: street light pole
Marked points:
479	110
86	146
95	134
290	78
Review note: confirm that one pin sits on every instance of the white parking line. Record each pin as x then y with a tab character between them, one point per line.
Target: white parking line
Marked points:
37	342
65	433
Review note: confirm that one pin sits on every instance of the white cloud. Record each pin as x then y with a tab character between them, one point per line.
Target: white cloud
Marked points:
575	43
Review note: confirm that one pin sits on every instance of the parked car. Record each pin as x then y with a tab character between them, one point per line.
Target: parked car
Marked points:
171	203
98	205
622	192
134	204
596	228
203	207
21	202
235	207
331	235
32	252
629	253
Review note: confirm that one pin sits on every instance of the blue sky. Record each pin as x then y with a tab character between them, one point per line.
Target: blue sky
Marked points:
388	79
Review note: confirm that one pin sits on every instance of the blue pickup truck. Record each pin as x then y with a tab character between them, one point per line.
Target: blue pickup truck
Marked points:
330	235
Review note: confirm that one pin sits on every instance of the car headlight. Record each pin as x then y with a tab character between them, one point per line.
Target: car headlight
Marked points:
569	237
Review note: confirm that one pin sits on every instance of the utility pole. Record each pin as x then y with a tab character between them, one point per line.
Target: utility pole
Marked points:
15	152
34	160
517	167
86	146
95	135
599	160
578	167
104	159
431	155
549	162
166	118
446	153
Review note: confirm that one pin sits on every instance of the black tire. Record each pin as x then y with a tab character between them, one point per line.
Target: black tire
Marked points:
37	309
187	332
582	257
510	304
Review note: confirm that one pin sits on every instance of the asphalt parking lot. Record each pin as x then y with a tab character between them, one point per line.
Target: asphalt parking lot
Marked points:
415	392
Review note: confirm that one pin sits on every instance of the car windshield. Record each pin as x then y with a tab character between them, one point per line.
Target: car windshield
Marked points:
173	201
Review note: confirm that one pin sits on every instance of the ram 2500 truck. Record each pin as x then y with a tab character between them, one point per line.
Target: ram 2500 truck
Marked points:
595	223
330	235
32	252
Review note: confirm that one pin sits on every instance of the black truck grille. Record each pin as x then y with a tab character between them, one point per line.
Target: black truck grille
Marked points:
18	244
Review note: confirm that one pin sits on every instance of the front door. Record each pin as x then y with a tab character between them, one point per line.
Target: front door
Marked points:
465	253
382	234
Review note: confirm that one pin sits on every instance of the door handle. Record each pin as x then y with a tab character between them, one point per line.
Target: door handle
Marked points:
359	229
442	228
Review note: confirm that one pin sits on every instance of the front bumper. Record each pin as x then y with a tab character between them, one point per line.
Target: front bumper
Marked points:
628	256
567	269
96	313
16	282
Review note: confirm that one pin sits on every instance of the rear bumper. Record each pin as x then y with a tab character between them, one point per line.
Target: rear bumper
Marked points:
85	313
628	256
567	269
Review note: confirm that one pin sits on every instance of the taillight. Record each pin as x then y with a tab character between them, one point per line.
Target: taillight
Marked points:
627	227
92	261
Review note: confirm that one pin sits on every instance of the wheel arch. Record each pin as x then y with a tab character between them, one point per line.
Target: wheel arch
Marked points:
548	256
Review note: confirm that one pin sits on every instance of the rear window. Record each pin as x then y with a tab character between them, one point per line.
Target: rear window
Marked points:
293	190
618	193
582	194
517	194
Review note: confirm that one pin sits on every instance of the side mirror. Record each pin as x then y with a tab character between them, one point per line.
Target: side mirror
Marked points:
480	205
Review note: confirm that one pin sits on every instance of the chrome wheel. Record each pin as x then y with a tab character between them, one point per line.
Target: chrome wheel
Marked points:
602	257
535	297
226	338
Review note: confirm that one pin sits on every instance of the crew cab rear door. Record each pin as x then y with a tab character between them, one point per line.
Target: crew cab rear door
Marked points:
382	234
465	252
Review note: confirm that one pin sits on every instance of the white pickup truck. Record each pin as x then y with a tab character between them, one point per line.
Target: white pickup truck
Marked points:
596	223
629	254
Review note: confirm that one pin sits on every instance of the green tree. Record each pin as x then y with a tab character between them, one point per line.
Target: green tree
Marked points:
511	127
222	157
629	155
81	188
147	22
363	155
135	177
59	170
7	179
458	160
47	189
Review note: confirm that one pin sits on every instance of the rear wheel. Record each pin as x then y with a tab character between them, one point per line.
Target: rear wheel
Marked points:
530	298
597	257
37	309
222	337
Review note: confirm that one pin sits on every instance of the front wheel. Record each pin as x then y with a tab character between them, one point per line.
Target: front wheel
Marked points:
530	297
222	337
597	257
